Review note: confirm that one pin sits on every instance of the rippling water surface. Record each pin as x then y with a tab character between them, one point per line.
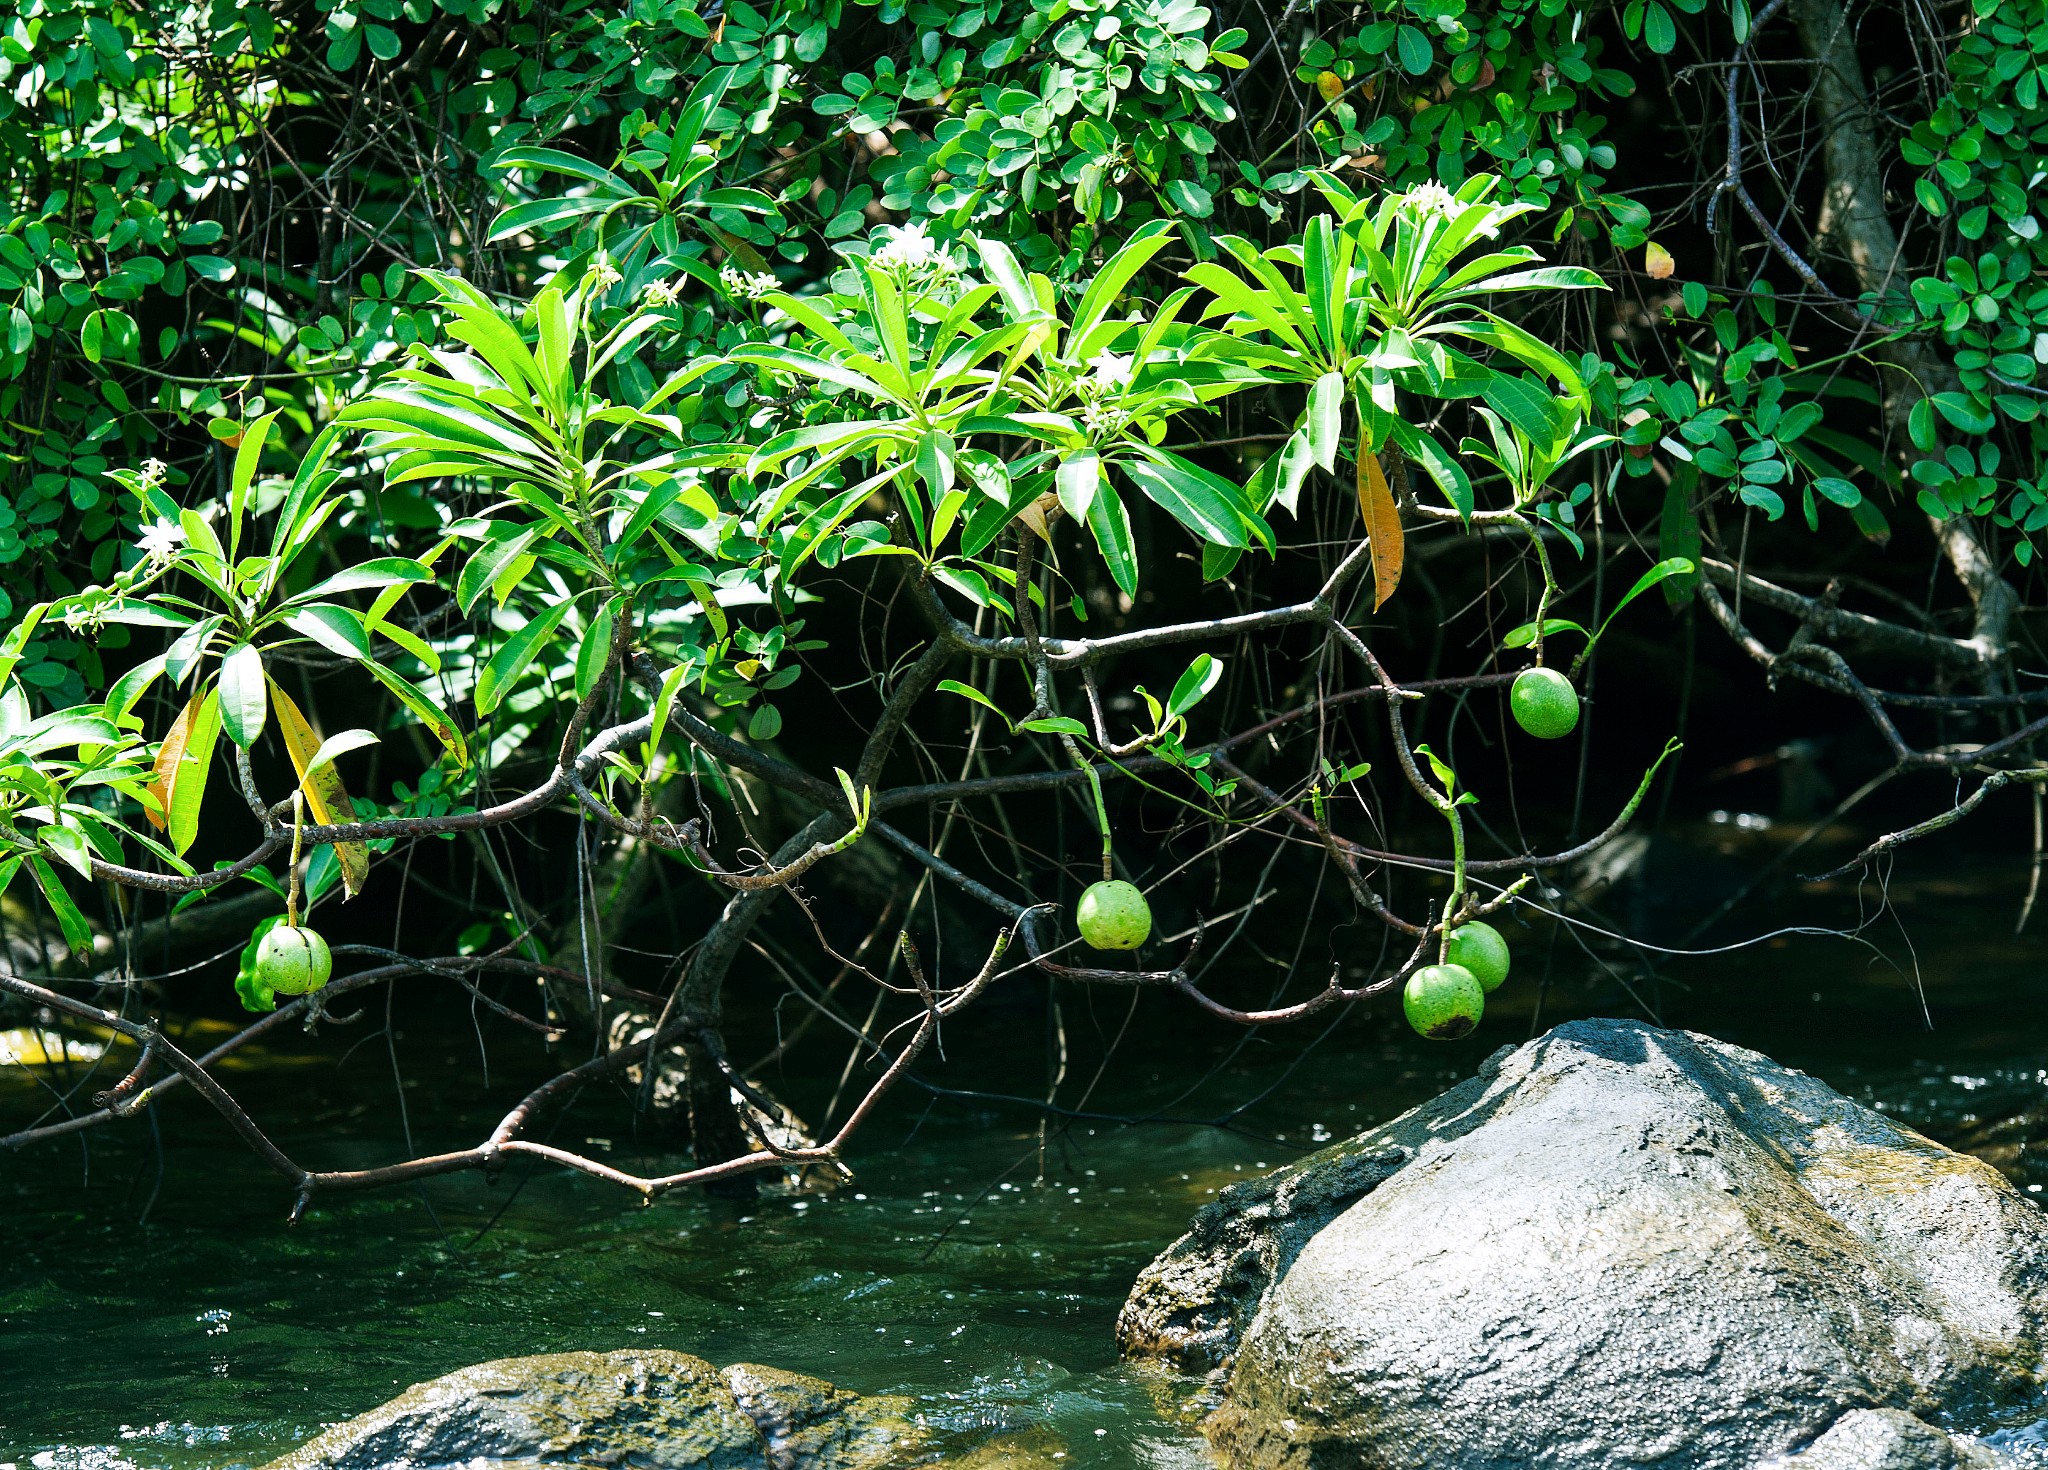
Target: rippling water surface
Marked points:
156	1311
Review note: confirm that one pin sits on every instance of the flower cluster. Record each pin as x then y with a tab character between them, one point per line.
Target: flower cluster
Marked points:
747	285
1433	198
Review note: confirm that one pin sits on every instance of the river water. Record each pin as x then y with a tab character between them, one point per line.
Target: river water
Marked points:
156	1311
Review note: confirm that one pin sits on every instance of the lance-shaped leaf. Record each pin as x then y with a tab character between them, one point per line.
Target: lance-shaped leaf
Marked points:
424	708
1382	526
511	660
326	797
242	703
183	762
77	933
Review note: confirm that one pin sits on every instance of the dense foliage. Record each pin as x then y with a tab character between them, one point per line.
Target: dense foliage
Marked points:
595	397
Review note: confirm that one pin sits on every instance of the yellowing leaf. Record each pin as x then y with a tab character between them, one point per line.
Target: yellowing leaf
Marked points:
1657	262
1382	525
168	757
1330	85
326	798
707	599
184	778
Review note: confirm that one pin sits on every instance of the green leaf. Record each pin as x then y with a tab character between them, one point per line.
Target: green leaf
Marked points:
243	699
671	682
247	455
1205	503
595	654
1671	566
1325	420
337	745
968	691
1194	685
1079	481
1525	635
765	723
1110	524
1055	725
424	707
1659	29
506	545
1218	562
1414	49
77	933
335	628
382	571
511	660
193	765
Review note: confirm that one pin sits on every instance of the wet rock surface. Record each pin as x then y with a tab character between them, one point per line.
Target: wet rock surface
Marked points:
1618	1245
647	1410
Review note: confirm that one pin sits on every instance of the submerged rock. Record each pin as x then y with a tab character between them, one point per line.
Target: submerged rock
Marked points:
1617	1246
644	1409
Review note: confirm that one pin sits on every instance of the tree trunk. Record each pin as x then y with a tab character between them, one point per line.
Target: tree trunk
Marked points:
1855	224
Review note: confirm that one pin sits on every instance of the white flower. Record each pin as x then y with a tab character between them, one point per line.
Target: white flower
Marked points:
603	274
1103	420
84	616
1110	371
161	541
743	286
1433	198
907	248
153	472
659	294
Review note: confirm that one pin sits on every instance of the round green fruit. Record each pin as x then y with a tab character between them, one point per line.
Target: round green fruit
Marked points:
1443	1002
293	961
1480	949
1544	703
1113	915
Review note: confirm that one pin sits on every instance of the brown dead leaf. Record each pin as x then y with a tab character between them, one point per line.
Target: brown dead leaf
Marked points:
1382	525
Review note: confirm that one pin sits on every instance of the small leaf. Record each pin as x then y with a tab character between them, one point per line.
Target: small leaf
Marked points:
1525	635
1194	685
1657	262
967	691
765	723
1055	725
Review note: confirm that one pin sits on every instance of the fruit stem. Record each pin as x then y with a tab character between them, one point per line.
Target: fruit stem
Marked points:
1101	808
1101	819
1550	587
1457	899
291	895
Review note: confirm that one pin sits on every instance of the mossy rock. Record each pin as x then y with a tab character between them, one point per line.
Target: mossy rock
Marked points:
646	1409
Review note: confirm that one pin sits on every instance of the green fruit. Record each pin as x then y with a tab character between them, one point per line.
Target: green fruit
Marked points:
1113	915
293	961
1480	949
1442	1002
1544	703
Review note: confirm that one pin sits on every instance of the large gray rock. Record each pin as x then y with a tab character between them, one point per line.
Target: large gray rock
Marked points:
1889	1439
1616	1246
648	1410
